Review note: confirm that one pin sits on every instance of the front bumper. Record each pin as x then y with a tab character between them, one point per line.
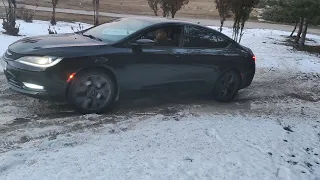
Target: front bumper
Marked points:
54	88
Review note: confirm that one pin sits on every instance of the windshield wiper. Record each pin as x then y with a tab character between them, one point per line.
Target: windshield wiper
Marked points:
92	37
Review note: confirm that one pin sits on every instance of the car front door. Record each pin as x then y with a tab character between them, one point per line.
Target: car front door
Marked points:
152	66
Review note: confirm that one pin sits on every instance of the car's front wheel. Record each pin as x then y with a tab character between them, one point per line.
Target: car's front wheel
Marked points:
227	86
92	92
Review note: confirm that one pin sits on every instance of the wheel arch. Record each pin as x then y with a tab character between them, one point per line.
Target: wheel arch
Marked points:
103	69
216	84
224	71
232	69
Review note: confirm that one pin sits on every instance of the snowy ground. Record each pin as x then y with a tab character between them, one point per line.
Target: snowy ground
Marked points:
271	131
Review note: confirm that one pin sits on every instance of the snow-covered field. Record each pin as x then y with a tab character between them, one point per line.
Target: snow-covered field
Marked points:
270	132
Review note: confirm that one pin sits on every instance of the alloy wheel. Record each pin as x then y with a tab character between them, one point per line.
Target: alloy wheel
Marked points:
93	92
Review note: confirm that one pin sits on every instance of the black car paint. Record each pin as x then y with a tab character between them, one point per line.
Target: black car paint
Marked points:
153	68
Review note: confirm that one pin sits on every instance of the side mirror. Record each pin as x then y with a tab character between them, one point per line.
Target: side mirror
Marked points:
143	42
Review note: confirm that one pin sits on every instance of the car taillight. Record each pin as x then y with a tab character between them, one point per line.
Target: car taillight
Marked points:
254	58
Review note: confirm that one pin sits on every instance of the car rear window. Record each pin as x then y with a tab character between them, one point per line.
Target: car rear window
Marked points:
198	37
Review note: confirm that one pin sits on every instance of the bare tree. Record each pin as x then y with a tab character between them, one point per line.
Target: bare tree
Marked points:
154	5
9	22
96	6
241	10
172	6
26	14
53	18
165	8
294	29
304	11
304	33
224	9
176	5
300	30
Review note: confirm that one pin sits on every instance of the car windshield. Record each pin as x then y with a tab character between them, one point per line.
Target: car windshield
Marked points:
116	30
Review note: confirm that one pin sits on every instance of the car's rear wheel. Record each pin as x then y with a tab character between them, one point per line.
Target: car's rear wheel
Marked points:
227	86
92	92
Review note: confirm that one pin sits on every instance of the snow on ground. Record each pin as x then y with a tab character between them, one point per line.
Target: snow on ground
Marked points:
202	146
270	132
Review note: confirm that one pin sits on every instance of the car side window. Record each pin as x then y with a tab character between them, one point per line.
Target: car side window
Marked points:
202	38
169	36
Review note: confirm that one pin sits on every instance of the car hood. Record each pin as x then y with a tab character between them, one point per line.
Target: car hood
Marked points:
62	45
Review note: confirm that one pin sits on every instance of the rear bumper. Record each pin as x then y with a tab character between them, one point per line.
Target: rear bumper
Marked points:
247	79
53	88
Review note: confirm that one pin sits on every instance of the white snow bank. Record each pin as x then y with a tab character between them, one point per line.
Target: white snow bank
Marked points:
202	147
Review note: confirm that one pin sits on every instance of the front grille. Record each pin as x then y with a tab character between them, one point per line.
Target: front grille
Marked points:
11	79
11	56
14	83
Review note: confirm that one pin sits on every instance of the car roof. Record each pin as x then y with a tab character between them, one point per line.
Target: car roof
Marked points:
159	20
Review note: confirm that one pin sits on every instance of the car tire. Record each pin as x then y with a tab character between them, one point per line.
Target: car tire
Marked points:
227	86
92	92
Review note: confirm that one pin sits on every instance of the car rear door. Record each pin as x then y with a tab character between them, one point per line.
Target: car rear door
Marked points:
206	54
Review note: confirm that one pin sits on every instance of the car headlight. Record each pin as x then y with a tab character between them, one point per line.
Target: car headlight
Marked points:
37	61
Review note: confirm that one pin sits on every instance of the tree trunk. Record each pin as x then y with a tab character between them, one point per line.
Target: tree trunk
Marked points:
155	11
299	31
294	30
94	17
241	30
96	22
5	7
9	3
53	18
164	14
304	33
173	14
236	28
221	23
96	12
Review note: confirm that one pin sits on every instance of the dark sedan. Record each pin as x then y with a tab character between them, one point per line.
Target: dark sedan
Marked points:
92	68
